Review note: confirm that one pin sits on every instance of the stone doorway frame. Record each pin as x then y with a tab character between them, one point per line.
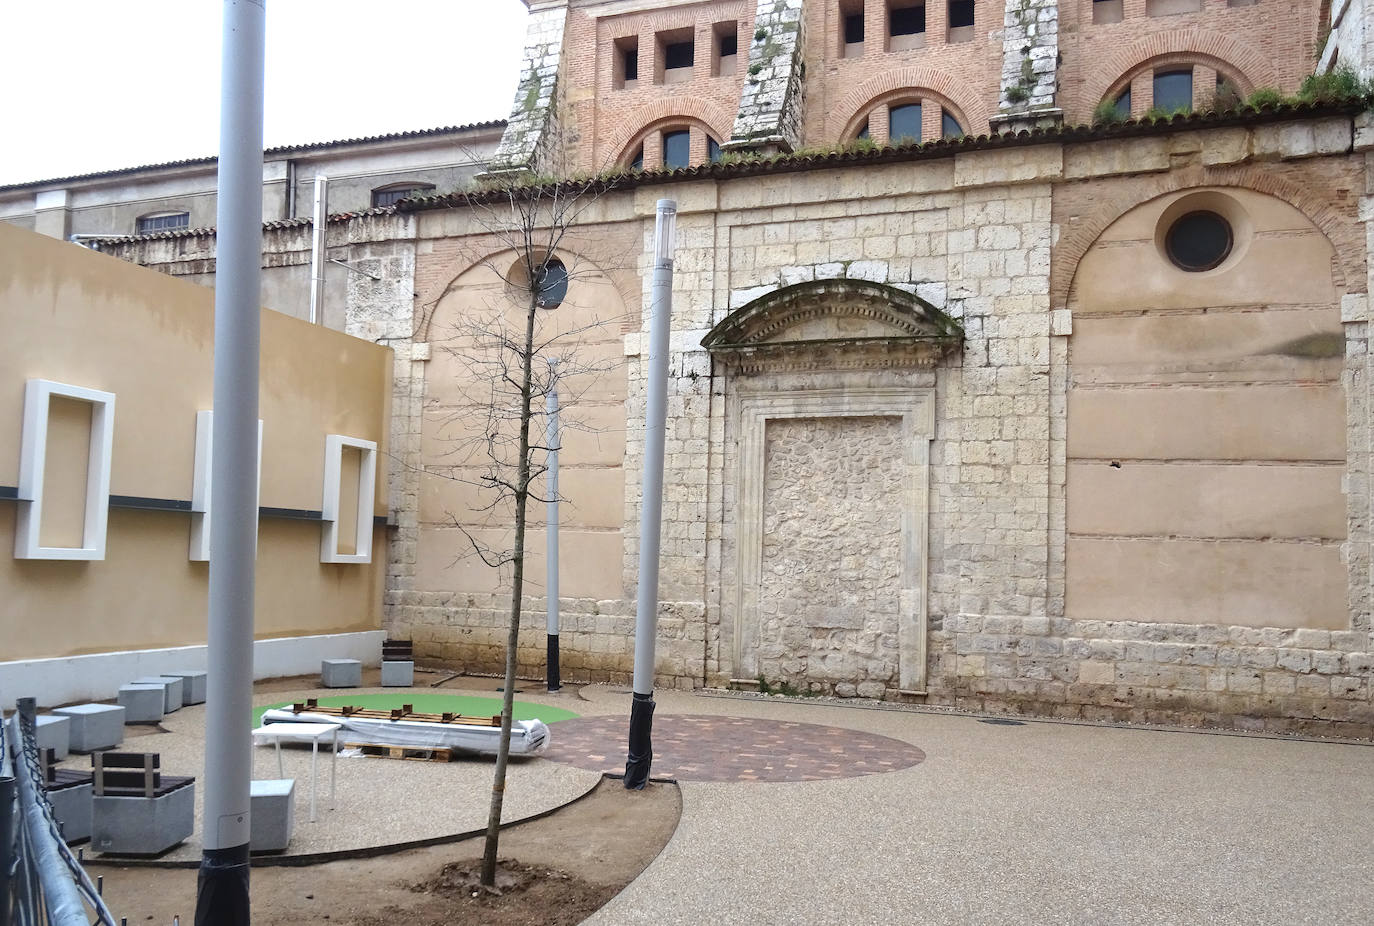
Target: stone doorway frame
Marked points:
916	408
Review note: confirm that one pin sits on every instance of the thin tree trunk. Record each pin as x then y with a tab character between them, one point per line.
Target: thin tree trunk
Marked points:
522	494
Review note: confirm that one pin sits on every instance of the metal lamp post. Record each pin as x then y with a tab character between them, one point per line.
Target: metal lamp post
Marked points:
552	437
641	753
222	892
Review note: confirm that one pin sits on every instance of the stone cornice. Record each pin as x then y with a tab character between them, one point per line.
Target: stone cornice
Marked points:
756	335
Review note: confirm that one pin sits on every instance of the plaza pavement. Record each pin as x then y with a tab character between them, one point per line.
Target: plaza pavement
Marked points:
1042	823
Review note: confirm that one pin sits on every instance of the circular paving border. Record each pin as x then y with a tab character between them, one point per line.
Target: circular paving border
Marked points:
695	747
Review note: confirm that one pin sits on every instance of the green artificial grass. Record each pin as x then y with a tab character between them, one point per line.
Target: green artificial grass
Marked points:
433	704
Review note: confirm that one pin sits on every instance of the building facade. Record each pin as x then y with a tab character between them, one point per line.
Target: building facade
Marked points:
1037	415
160	200
106	425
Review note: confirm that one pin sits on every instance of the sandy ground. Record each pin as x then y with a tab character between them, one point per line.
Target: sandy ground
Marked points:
588	852
375	799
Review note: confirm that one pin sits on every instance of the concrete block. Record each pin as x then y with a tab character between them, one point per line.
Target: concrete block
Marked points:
143	703
273	814
94	726
71	805
171	690
54	732
192	686
143	825
341	673
398	674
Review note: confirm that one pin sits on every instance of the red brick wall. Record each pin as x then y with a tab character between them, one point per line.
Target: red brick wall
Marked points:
618	116
1269	43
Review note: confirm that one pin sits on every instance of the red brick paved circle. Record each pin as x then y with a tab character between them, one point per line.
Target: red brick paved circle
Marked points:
703	748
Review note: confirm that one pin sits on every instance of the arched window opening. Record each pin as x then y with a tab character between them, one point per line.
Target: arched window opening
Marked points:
673	145
904	123
1123	104
949	126
677	148
863	132
1173	91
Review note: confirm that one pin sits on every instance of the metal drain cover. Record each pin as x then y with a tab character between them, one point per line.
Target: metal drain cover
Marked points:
1002	721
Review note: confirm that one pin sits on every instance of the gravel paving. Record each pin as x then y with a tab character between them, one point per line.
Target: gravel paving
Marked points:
378	801
1040	823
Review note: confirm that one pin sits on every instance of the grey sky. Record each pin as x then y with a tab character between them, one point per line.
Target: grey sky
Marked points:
99	84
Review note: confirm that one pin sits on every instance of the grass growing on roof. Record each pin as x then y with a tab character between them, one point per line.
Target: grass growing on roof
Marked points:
433	704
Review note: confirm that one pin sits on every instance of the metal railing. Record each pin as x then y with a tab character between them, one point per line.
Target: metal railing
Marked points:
41	881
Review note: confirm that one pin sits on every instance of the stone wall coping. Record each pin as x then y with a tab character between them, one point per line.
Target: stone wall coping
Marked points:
933	150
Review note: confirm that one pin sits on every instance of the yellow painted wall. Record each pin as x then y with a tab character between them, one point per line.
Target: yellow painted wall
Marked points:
85	319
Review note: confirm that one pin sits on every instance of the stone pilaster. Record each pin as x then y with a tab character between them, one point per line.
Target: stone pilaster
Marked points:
1030	67
531	126
770	105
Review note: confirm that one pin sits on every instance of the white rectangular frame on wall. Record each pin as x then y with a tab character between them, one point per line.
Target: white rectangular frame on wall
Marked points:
334	445
33	456
200	485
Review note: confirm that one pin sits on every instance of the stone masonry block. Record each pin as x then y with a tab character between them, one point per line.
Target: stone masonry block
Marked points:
143	825
143	703
71	807
94	726
192	685
341	673
171	689
398	674
54	731
273	814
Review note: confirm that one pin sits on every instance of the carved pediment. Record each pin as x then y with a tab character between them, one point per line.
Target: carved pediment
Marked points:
834	324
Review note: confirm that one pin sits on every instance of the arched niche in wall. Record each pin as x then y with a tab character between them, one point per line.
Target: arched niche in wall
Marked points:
830	410
1207	429
467	428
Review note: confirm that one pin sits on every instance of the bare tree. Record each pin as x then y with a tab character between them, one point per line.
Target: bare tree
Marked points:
513	352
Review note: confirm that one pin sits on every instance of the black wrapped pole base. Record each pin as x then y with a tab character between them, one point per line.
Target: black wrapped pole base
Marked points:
222	889
641	742
555	682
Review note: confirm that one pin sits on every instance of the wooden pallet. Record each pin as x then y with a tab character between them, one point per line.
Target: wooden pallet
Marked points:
404	712
421	753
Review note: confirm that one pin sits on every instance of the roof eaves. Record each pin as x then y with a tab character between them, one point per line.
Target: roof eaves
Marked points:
941	148
208	231
277	150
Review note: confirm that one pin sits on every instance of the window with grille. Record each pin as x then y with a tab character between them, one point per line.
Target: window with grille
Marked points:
162	222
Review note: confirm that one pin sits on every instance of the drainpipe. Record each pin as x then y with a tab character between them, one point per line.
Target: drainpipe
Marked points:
290	209
318	246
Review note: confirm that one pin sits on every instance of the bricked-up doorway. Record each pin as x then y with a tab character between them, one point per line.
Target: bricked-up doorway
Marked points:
830	397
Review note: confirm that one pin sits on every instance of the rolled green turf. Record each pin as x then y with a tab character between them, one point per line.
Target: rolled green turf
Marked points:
433	704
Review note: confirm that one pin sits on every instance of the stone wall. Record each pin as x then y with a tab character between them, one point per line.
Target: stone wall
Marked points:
1030	64
831	554
770	105
531	118
995	238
